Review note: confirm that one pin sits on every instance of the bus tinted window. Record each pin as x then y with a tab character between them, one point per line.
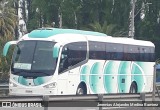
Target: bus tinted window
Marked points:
146	54
131	53
152	54
114	51
72	54
76	52
96	50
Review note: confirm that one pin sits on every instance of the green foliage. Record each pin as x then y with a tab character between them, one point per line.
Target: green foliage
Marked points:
8	20
32	24
148	28
70	10
81	14
8	23
4	63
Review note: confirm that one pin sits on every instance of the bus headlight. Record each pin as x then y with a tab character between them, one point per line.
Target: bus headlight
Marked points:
51	85
11	84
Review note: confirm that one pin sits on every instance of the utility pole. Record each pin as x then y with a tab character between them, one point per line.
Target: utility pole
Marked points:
132	16
131	25
60	17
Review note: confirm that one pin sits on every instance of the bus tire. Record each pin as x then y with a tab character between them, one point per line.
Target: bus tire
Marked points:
81	90
133	88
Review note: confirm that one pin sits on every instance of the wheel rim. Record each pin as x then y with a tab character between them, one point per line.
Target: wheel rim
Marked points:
133	89
80	91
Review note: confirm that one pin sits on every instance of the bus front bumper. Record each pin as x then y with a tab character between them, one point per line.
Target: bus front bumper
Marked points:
31	91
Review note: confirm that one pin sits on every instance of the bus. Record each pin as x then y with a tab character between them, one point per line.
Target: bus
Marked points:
53	61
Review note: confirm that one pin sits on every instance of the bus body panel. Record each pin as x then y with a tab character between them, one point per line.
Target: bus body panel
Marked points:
99	75
117	76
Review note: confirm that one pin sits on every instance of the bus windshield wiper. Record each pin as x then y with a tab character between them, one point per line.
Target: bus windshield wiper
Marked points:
18	72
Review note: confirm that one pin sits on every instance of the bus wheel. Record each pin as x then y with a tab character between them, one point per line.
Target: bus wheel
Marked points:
81	90
133	88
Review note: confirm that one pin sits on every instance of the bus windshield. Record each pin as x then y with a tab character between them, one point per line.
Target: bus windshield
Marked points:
33	58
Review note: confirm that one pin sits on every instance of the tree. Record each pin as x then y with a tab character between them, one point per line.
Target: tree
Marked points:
109	29
8	20
8	23
148	27
70	10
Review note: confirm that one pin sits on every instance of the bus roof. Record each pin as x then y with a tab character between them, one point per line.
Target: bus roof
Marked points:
56	35
122	40
48	32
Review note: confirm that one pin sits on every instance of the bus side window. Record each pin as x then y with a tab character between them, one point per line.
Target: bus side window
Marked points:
126	52
77	53
72	54
64	60
146	54
152	55
96	50
114	51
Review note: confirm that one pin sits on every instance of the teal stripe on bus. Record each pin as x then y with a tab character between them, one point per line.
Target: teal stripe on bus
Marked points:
45	33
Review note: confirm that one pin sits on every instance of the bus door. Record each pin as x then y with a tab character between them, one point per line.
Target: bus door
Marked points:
62	83
73	55
67	73
63	73
67	80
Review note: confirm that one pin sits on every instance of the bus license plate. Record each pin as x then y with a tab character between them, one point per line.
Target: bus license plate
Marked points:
28	91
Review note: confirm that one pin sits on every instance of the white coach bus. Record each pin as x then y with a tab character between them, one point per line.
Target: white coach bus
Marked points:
52	61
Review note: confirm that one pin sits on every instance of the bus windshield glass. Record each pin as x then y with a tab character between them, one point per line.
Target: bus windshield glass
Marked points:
33	58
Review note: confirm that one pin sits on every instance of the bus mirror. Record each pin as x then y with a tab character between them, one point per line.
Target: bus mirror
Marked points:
6	47
56	50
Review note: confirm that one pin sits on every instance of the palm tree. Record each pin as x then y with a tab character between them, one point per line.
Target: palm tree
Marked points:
109	29
8	23
8	20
